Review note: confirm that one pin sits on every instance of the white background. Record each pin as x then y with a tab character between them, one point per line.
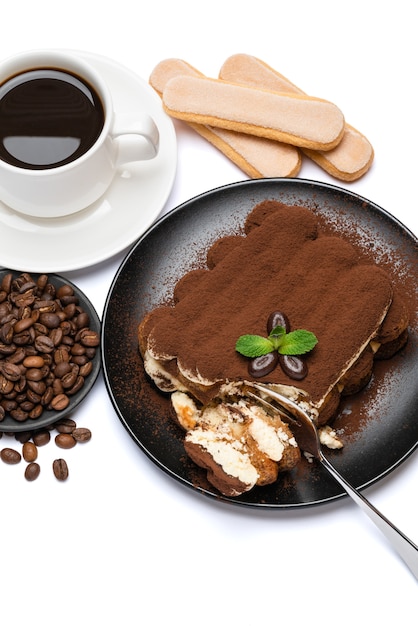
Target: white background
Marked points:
120	542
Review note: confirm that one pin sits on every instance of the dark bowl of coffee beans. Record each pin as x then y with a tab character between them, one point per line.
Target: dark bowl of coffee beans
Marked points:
49	349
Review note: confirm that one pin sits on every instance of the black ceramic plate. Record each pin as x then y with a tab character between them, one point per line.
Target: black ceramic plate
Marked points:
379	425
48	417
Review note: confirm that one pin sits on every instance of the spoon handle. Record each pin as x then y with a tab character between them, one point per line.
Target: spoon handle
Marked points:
406	549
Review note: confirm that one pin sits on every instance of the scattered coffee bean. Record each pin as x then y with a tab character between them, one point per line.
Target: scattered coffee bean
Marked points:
60	469
41	437
32	471
23	436
29	451
65	425
68	436
81	434
65	441
10	456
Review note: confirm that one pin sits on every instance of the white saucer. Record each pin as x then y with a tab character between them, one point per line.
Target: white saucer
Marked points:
134	200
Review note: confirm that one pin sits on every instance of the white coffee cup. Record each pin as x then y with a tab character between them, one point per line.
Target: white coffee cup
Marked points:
67	186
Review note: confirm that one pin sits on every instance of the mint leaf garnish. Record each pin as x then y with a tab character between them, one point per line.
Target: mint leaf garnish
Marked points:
292	343
253	345
276	336
297	342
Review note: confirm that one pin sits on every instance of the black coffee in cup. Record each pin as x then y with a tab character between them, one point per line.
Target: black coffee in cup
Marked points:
48	117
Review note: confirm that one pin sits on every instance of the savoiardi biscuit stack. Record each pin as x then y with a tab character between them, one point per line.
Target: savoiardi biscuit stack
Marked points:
320	282
260	120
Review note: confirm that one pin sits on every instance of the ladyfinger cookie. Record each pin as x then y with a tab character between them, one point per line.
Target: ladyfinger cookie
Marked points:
348	161
300	120
256	156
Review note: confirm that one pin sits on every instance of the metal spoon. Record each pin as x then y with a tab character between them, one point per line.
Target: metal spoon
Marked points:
307	437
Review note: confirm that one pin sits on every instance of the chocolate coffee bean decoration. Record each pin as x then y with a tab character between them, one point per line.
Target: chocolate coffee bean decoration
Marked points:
278	318
293	366
263	365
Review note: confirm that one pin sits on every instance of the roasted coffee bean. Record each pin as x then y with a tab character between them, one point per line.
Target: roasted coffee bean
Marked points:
20	386
61	355
83	320
65	441
7	282
47	396
277	318
81	359
42	282
56	335
78	349
263	365
60	402
43	343
32	471
6	333
34	373
79	383
34	361
60	469
293	366
10	370
68	300
81	434
65	290
40	329
29	451
23	436
8	404
68	380
50	320
86	369
32	396
65	425
57	387
23	324
41	437
38	386
10	456
45	306
36	412
19	415
18	356
70	310
89	337
27	406
6	385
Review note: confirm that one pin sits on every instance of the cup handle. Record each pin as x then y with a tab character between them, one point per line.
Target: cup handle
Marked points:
137	142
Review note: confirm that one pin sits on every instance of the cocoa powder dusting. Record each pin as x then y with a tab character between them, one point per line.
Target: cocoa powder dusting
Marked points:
285	262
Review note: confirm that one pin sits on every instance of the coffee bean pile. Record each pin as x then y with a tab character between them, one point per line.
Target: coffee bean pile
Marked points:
68	435
46	346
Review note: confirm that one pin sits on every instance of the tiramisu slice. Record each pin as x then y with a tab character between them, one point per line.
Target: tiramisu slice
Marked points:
282	262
